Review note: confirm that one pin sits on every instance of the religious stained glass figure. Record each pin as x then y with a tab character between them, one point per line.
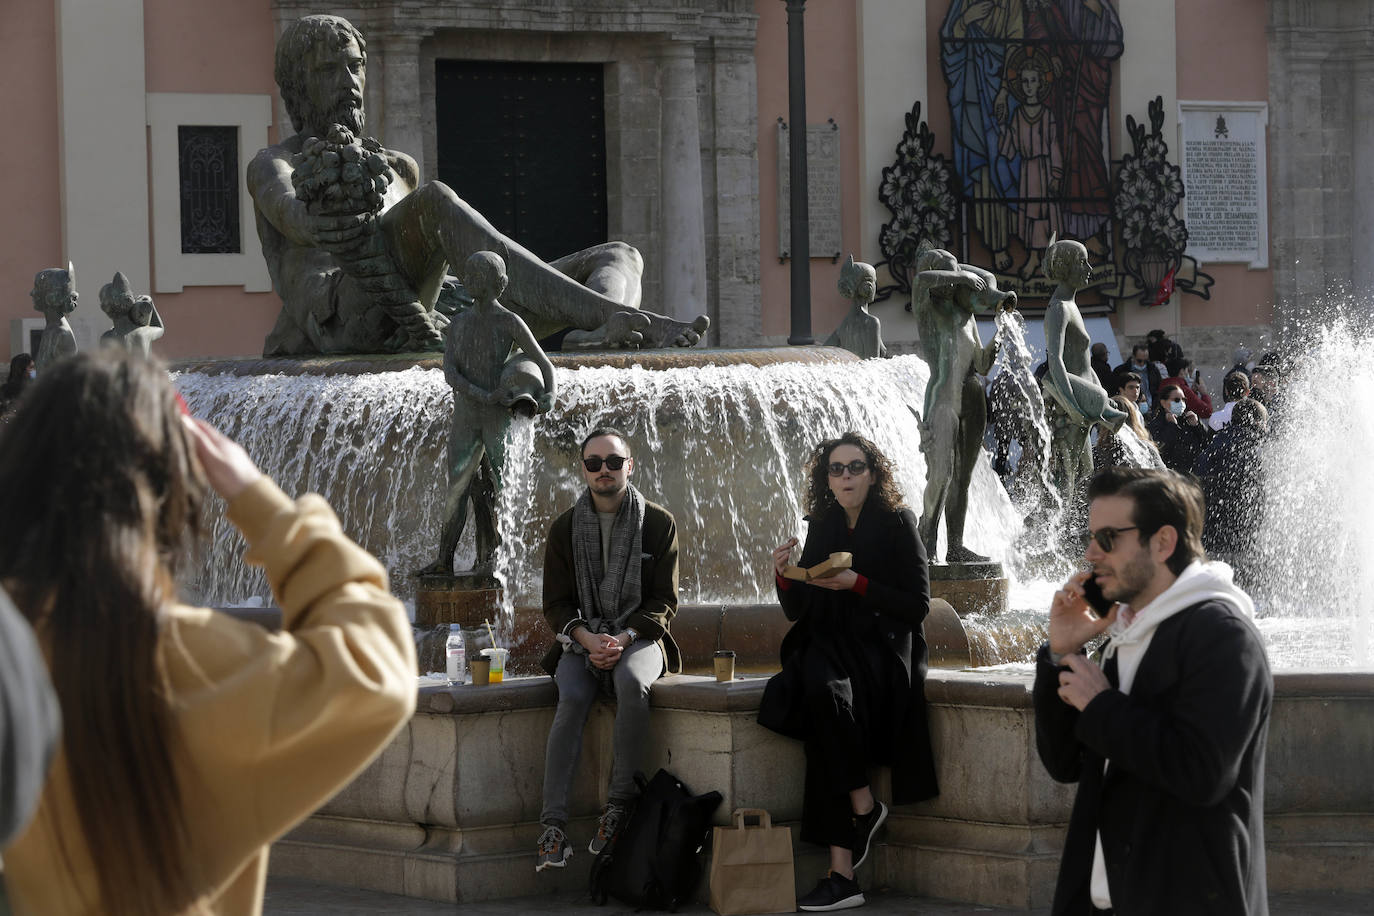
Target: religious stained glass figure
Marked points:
1031	138
974	42
1086	37
1073	44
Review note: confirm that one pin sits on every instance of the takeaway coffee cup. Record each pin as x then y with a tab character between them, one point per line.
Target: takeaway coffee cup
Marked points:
725	666
481	671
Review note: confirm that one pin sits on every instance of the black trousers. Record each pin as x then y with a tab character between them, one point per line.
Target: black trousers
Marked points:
847	698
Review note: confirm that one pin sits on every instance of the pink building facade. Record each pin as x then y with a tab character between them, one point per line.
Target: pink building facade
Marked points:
98	89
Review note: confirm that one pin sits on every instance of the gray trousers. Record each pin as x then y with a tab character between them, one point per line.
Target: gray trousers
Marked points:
639	666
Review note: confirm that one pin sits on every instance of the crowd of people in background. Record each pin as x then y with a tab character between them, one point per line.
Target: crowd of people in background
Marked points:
1179	424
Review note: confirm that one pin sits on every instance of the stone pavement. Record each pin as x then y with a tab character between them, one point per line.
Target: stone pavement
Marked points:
298	897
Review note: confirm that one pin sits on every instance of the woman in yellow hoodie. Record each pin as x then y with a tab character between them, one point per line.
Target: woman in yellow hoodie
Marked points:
191	740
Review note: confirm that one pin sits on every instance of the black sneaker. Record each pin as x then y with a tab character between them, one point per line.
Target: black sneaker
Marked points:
833	892
865	829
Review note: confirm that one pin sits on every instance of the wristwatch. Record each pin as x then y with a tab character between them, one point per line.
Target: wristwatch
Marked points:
632	634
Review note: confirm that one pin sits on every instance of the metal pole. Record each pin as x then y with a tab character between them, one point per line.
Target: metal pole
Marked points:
801	218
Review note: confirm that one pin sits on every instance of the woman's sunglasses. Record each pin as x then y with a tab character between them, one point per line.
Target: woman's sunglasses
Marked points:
614	462
856	467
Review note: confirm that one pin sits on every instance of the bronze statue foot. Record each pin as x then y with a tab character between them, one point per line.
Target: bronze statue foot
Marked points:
437	568
962	554
669	332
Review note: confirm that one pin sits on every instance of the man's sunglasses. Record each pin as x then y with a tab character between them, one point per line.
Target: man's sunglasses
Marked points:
856	467
614	462
1105	537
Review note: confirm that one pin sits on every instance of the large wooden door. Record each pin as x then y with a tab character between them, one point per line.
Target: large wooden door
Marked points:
525	143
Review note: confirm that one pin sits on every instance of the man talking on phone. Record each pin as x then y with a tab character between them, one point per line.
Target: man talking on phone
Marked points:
1165	733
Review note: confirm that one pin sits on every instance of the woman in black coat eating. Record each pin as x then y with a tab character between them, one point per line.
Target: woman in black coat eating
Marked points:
852	685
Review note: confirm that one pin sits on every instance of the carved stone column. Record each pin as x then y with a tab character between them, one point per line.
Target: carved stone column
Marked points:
402	118
1362	177
681	221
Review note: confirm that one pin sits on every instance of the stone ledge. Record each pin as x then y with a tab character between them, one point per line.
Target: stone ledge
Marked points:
450	810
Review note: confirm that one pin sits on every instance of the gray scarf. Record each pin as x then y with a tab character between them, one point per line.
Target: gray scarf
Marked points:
607	596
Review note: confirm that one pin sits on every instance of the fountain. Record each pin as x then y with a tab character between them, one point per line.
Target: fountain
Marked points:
718	435
718	438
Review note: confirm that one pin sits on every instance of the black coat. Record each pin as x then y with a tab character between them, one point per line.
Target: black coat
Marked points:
1232	473
658	575
888	552
1181	808
1179	443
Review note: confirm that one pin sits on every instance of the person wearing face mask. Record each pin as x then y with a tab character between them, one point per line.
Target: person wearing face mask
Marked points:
852	684
22	372
1185	375
1178	432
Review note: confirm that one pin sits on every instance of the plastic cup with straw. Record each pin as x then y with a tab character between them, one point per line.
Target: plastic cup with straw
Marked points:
497	656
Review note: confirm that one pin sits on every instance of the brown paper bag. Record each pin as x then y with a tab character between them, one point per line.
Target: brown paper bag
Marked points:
751	867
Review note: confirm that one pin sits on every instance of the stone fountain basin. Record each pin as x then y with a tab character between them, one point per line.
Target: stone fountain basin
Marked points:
449	811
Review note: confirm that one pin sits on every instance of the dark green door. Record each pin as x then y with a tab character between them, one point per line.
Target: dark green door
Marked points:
525	143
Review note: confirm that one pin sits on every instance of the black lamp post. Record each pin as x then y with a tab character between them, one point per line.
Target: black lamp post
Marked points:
801	217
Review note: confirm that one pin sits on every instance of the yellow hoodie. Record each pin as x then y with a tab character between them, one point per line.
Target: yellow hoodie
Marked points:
270	725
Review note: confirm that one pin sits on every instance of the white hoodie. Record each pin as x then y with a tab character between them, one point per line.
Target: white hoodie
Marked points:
1131	633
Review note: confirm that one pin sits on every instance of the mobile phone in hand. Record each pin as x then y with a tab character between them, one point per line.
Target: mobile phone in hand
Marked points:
1098	603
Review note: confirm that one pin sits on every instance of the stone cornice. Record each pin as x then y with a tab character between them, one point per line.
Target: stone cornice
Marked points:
683	19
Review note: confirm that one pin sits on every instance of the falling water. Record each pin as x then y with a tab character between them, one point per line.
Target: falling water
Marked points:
1036	498
721	446
1316	547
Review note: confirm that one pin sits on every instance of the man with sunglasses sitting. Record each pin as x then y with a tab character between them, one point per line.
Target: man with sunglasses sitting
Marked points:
610	589
1166	739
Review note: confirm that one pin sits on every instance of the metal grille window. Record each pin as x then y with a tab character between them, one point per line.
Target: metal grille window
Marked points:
208	160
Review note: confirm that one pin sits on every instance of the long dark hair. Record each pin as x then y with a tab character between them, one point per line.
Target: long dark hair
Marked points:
883	491
97	464
19	377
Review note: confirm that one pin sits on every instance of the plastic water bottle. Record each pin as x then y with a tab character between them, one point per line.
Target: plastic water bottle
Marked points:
457	657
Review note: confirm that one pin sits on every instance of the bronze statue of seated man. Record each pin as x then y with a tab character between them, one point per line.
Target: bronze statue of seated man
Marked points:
358	248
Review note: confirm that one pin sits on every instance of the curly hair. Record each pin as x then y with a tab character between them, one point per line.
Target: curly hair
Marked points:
293	48
883	493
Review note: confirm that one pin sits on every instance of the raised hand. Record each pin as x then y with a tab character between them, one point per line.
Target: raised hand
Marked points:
1072	622
782	556
228	469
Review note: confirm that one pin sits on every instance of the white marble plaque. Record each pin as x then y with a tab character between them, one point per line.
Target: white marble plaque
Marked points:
822	187
1225	181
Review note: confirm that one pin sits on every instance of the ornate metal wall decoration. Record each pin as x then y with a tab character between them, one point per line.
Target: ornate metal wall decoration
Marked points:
1149	190
917	190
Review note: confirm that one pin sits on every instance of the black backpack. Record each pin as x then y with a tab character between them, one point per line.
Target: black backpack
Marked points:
654	860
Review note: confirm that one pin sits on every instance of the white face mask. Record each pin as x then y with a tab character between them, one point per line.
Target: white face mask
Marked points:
1176	408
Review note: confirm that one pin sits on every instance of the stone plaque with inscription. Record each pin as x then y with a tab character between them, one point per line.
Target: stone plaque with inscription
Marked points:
1224	182
822	186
